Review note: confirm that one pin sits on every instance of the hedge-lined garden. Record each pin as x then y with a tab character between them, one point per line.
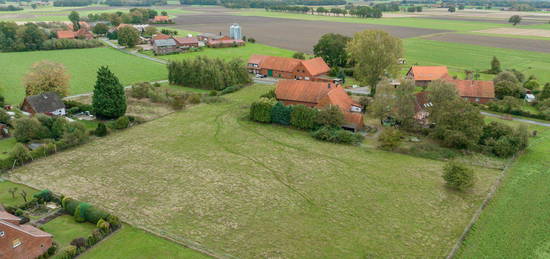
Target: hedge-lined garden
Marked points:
324	124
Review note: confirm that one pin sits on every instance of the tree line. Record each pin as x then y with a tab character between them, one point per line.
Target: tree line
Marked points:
135	2
133	16
261	3
10	8
208	73
359	11
72	2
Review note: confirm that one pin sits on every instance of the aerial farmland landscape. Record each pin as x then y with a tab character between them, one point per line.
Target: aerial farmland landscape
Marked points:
274	129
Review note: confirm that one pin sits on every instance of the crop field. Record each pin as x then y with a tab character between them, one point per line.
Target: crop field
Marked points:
130	242
255	190
467	56
515	224
81	64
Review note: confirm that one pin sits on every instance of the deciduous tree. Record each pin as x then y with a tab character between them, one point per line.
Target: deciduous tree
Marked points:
128	36
74	17
514	19
458	176
375	54
332	48
47	76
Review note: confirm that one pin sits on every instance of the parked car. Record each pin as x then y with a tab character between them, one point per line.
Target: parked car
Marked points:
260	76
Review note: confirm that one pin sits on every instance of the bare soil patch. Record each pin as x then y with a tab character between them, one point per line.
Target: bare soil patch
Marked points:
298	35
517	31
497	42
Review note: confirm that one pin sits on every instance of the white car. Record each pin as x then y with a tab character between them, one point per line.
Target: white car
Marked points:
260	76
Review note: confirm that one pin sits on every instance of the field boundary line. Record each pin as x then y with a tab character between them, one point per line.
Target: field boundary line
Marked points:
488	199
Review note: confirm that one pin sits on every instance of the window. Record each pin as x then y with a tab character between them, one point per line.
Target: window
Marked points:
16	243
477	100
2	233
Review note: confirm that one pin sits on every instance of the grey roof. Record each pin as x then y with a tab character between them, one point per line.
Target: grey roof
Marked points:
46	102
164	43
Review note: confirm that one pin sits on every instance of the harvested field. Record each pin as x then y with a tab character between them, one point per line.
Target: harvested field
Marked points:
298	35
255	190
517	31
496	42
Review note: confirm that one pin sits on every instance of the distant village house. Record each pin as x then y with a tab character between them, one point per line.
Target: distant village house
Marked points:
48	103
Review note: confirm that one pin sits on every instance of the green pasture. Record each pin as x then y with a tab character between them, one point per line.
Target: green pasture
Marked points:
81	64
257	190
130	242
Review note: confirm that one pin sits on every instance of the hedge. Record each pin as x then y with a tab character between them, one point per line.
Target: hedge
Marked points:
303	117
280	114
261	110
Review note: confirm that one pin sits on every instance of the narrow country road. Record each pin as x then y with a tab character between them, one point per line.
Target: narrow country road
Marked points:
518	119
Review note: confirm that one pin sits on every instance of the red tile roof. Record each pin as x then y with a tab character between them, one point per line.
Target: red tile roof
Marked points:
161	36
4	215
474	88
186	40
66	34
316	66
161	18
429	73
319	94
224	41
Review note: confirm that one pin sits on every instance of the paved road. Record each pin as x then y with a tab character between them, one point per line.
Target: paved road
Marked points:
518	119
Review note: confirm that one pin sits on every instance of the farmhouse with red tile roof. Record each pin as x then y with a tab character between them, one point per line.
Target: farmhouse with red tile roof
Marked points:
319	95
21	241
224	43
288	68
66	34
161	19
423	75
475	90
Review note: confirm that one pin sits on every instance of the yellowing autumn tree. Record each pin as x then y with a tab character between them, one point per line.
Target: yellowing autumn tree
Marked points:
47	76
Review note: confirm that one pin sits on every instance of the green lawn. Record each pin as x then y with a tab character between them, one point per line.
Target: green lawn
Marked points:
130	242
452	25
458	56
82	65
252	190
64	229
6	144
5	196
243	52
515	224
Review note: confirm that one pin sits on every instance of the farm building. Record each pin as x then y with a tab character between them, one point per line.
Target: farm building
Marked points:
423	75
319	95
21	241
475	91
161	19
160	36
80	34
422	104
186	42
235	32
47	103
223	43
205	37
163	47
289	68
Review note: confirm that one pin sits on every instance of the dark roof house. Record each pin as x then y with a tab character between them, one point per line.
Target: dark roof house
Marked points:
48	103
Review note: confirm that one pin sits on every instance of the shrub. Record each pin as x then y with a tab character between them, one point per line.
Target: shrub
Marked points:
337	135
261	110
194	99
20	153
178	103
389	139
4	117
94	215
140	91
303	117
69	205
114	221
27	129
79	242
212	93
269	95
74	134
69	252
101	130
103	225
58	128
230	89
78	214
51	251
330	116
121	123
280	114
43	196
458	176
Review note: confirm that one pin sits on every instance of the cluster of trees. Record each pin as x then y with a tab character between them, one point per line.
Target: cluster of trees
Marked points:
412	9
10	8
208	73
387	7
30	36
324	124
72	2
270	3
359	11
135	2
134	16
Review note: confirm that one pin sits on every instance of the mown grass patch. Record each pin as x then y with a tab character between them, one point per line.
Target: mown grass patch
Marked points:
81	64
256	190
64	229
515	224
5	197
130	242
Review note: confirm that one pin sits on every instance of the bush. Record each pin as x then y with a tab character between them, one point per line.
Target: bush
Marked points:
101	130
20	153
213	93
140	91
261	110
280	114
330	116
79	242
337	135
69	252
458	176
230	89
73	135
194	99
43	196
69	205
121	123
303	117
389	139
27	129
4	117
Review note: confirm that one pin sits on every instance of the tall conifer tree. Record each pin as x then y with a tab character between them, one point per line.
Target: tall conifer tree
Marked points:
109	100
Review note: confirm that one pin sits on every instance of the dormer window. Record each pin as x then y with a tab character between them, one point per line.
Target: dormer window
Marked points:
2	233
16	243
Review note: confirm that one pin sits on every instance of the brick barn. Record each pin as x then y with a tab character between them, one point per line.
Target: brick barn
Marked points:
288	68
423	75
475	91
319	95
